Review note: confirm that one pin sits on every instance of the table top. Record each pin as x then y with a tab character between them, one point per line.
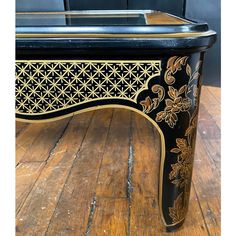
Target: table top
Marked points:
111	25
94	23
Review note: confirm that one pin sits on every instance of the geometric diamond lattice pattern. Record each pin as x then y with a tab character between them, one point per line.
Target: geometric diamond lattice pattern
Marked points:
46	86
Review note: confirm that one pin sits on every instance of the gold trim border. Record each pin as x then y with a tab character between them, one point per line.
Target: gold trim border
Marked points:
163	151
109	35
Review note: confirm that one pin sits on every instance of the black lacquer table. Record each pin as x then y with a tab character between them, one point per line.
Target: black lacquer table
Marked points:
146	61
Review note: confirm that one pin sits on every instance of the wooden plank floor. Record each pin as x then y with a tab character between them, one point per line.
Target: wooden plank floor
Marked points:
93	174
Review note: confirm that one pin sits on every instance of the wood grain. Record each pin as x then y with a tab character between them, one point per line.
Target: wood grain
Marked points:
144	215
20	126
97	174
37	141
71	215
161	18
37	210
26	176
112	181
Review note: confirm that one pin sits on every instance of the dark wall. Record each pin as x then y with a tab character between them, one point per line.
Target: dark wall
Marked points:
96	5
209	11
40	5
172	6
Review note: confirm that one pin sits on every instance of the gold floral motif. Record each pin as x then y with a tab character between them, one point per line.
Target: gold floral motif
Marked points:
183	99
179	100
177	211
174	64
174	105
181	171
190	131
150	104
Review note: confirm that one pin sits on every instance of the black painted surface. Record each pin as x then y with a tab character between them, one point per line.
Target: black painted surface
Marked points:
209	11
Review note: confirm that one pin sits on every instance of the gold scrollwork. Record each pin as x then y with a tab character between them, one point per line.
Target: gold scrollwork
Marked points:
150	104
174	64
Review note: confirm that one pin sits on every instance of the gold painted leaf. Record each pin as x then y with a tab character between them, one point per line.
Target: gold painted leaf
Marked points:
188	131
183	89
175	170
186	104
188	70
171	119
160	116
170	63
177	212
146	104
181	143
169	102
175	150
177	63
173	93
178	100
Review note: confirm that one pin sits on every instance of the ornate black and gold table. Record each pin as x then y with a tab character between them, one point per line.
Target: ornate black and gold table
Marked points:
146	61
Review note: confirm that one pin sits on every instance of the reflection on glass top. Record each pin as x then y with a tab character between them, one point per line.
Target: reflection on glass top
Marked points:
79	19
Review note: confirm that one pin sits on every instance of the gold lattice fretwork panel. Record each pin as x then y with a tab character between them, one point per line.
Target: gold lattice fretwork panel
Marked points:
46	86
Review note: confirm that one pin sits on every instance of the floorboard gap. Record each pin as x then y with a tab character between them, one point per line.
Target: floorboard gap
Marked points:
50	153
90	121
198	200
58	140
91	214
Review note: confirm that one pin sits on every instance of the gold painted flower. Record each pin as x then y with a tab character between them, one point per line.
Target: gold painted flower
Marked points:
174	104
181	171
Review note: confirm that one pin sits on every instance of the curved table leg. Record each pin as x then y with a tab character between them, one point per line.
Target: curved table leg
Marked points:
176	121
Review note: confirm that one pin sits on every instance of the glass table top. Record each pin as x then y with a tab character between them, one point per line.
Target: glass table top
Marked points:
79	19
97	18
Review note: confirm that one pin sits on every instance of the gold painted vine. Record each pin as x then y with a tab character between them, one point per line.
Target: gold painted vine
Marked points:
179	101
181	172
